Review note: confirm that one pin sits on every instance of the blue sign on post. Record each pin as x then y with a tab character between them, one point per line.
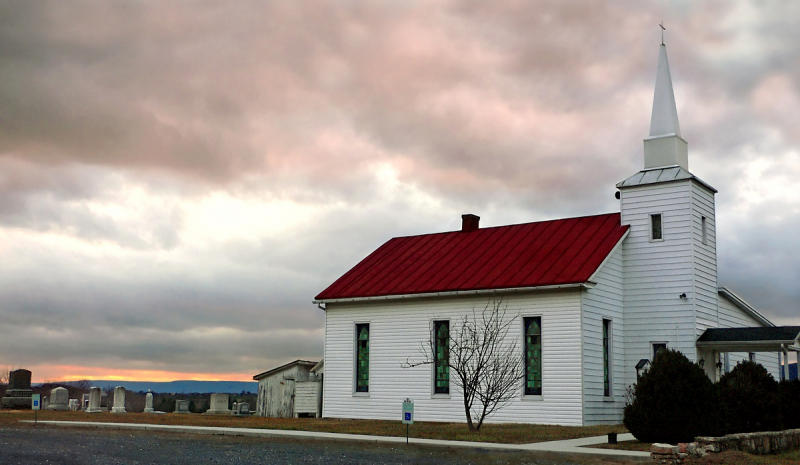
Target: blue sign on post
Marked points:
408	412
36	401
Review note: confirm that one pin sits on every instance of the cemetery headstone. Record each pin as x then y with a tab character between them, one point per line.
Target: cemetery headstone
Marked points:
18	394
182	406
219	405
241	408
74	405
148	402
59	399
119	400
94	400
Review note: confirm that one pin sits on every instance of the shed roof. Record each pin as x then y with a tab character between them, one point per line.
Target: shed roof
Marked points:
754	339
284	367
544	253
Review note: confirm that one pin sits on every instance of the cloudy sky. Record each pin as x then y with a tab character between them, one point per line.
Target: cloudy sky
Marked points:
179	179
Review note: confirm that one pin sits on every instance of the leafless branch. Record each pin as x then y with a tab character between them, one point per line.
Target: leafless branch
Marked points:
484	360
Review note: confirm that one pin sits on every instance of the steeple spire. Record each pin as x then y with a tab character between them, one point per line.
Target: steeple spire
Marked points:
664	119
664	146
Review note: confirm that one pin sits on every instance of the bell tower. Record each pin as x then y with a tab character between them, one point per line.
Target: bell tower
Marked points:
669	256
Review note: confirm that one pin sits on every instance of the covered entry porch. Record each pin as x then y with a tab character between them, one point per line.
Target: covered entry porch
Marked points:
715	345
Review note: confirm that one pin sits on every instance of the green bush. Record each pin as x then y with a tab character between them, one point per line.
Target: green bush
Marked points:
748	400
672	402
789	398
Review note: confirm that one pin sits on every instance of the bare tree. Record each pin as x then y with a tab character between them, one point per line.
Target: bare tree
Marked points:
486	363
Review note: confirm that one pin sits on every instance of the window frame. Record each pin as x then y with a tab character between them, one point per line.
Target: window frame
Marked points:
607	346
704	230
653	345
356	325
525	395
434	387
661	226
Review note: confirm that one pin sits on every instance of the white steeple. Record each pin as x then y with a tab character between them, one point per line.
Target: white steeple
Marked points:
664	146
664	119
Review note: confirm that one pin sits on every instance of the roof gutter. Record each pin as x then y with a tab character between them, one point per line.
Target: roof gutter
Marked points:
739	302
744	344
510	290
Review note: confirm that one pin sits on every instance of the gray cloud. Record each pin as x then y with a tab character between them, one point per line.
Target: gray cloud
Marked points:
118	119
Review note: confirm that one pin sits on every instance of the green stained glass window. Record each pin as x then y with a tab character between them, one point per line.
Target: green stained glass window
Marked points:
533	355
362	357
441	330
606	358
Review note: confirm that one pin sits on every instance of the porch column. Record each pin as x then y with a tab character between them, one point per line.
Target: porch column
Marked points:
785	363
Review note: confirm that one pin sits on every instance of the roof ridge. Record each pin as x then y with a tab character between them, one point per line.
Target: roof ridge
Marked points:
510	225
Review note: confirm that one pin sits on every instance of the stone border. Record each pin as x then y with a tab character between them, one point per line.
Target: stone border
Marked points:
768	442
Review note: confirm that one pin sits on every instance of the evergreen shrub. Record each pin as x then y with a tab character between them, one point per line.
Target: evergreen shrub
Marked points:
673	402
748	400
789	399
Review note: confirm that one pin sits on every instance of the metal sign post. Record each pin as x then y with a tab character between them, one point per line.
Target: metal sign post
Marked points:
36	402
408	414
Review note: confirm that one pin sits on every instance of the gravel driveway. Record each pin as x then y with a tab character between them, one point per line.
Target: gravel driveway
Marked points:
27	445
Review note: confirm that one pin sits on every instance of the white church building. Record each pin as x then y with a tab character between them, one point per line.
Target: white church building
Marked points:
591	298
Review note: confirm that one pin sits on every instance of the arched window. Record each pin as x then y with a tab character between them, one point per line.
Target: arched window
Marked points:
442	357
362	357
533	355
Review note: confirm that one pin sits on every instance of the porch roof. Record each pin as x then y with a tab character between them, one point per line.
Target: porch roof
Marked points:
758	339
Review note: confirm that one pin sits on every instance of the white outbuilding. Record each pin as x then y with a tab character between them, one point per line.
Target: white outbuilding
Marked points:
591	298
277	389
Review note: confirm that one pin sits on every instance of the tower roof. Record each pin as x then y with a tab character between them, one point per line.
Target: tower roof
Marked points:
664	119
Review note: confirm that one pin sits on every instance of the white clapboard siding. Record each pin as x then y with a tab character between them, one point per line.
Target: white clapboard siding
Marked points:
398	328
705	259
731	316
307	398
656	273
604	301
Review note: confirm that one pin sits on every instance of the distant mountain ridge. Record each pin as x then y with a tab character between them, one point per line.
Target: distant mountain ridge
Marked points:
177	387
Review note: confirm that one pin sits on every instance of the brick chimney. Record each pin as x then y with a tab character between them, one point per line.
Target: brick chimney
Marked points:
469	222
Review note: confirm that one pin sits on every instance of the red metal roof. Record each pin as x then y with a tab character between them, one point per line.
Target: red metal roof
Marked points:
543	253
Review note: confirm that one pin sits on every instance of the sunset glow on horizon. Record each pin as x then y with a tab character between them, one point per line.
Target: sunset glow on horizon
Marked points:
63	373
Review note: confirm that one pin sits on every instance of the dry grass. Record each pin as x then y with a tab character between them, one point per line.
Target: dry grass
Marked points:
507	433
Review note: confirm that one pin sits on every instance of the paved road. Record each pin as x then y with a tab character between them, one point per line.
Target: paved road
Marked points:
31	445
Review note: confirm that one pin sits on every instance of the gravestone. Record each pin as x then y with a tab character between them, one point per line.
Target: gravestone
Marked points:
219	405
182	406
59	399
148	402
94	400
74	405
18	395
241	408
84	401
119	400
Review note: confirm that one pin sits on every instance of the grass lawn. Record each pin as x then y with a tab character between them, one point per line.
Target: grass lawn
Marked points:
508	433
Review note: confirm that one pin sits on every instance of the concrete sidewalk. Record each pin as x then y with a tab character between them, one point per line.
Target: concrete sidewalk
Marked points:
572	446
